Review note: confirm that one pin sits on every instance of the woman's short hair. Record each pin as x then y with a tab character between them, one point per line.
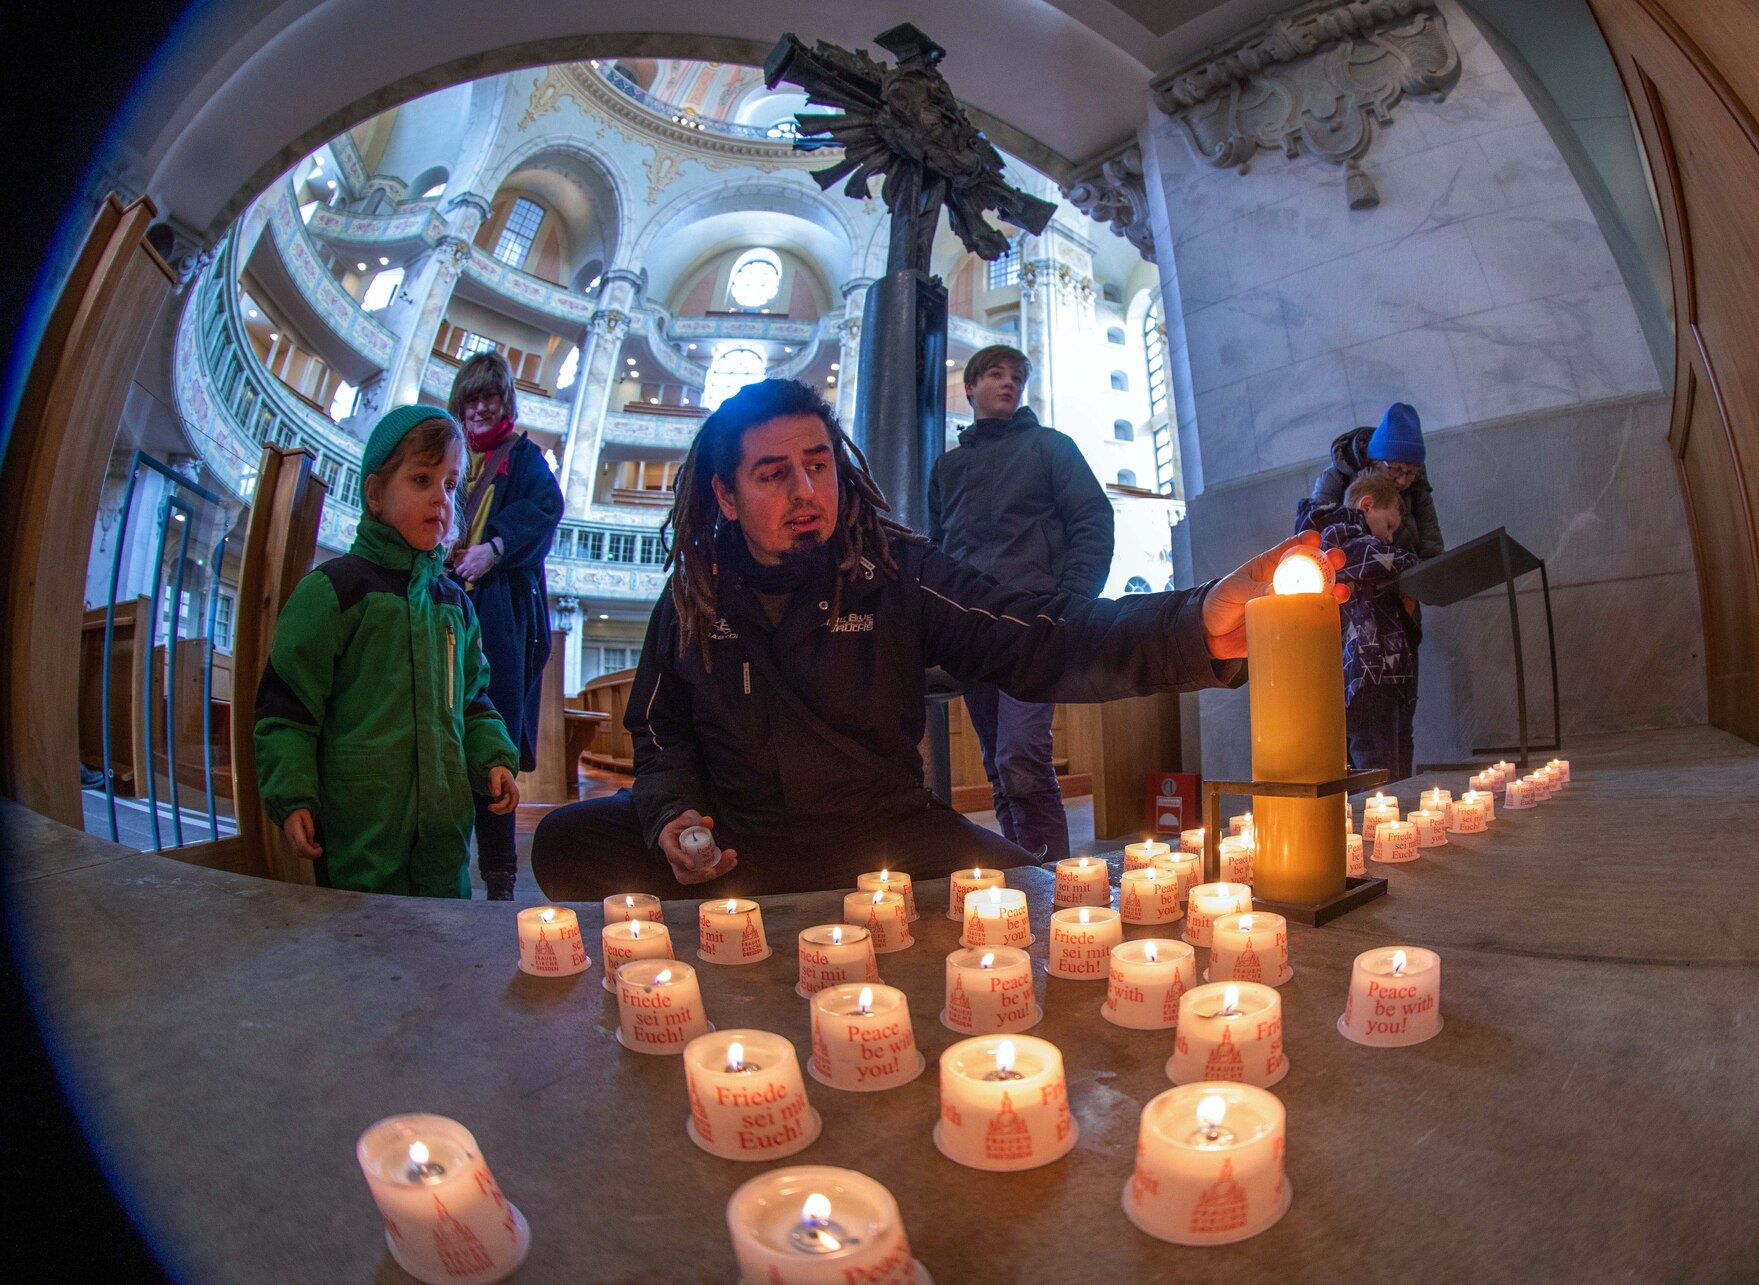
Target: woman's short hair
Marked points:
484	374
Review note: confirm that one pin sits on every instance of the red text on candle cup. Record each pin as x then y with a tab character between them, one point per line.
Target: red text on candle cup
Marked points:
1395	1004
656	1019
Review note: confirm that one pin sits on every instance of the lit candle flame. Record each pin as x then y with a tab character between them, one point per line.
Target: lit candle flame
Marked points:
816	1210
1084	863
1230	1001
1148	873
864	1001
837	935
1150	953
884	875
1086	915
635	928
1211	1111
1246	922
732	905
418	1153
977	872
664	975
1398	961
1299	572
995	896
629	901
1005	1056
878	896
988	960
735	1056
546	914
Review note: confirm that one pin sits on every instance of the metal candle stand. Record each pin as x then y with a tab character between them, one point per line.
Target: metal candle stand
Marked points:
1358	890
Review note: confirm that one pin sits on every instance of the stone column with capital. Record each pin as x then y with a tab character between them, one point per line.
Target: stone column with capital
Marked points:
418	310
1035	305
565	615
849	356
620	294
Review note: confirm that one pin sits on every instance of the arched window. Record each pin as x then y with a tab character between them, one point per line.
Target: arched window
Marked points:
1126	477
1120	382
755	279
343	403
518	232
430	182
731	370
381	290
1154	343
1111	294
570	368
1123	431
1114	334
1137	584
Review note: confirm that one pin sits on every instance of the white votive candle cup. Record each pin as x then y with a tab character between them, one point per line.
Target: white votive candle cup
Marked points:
831	954
863	1049
730	931
1518	796
1239	822
1432	826
1215	1042
659	1006
1140	856
963	882
1146	980
628	940
989	991
1562	768
754	1108
1395	841
996	917
1191	841
1082	881
1471	813
446	1221
883	915
776	1245
1395	997
1081	941
1149	896
1186	868
1004	1119
1252	947
1210	901
1234	860
1354	863
1209	1165
890	881
549	942
633	905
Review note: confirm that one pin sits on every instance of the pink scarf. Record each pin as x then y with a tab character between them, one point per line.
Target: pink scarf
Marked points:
487	440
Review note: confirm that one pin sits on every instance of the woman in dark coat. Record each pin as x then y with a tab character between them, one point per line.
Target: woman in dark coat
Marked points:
509	506
1396	448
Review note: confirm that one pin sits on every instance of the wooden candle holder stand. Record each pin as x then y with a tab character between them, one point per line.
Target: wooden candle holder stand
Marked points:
1358	890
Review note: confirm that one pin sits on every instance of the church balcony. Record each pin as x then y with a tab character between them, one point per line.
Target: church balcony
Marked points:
521	296
741	325
404	234
974	334
648	432
286	267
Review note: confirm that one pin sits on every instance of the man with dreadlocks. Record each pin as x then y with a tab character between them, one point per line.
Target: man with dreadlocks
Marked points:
779	700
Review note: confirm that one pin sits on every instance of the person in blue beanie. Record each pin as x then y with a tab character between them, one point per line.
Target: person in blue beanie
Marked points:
1394	447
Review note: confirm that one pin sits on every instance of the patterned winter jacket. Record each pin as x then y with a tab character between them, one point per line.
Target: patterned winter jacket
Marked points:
1380	637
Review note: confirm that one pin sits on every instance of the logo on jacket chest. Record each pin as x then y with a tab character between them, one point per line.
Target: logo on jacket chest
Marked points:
721	631
853	623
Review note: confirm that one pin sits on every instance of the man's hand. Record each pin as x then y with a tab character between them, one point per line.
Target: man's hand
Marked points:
474	563
504	790
302	834
1224	609
686	868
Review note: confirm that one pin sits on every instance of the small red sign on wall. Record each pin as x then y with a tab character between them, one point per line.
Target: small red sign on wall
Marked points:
1170	802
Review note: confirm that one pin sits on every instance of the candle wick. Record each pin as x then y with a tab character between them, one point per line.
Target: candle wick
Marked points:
1004	1075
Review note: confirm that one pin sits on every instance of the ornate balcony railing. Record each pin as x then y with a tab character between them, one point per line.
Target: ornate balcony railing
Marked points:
782	132
660	432
410	224
551	300
345	317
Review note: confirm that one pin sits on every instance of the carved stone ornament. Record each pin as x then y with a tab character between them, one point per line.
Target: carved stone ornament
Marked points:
1317	79
612	323
1113	190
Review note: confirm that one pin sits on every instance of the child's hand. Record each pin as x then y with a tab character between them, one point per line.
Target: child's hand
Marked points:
504	790
302	834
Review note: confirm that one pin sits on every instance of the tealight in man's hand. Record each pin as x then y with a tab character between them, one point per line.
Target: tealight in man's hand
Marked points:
1224	607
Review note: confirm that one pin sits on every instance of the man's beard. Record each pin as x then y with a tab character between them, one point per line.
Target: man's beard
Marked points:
805	549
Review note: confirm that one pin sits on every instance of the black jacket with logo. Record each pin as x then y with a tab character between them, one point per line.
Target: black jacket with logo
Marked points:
1016	499
723	742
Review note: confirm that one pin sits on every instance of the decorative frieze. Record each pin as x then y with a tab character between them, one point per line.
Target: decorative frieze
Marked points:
1318	79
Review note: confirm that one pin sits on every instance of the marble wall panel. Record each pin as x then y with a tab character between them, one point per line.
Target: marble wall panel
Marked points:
1415	366
1232	452
1239	337
1480	104
1511	360
1547	248
1304	403
1604	342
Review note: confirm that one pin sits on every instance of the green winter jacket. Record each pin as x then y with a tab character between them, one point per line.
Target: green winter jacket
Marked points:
373	714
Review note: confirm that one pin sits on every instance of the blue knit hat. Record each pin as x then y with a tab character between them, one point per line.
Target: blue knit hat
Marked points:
1399	439
393	425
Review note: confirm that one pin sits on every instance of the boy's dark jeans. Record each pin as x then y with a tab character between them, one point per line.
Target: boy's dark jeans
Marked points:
1015	737
1378	722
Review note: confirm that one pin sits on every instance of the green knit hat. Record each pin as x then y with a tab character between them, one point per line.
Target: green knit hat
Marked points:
390	430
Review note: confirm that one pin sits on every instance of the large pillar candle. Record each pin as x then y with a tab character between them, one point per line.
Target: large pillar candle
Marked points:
446	1221
1294	644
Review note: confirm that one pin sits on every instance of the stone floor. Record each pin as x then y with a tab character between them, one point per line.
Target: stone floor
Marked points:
1589	1113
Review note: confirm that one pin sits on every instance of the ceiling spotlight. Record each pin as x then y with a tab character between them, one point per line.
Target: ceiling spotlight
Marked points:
360	267
834	366
787	349
274	335
629	360
383	261
692	347
252	314
604	615
830	379
951	363
635	374
318	162
332	185
653	401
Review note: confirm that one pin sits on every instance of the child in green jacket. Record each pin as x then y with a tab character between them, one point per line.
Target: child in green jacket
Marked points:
373	723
